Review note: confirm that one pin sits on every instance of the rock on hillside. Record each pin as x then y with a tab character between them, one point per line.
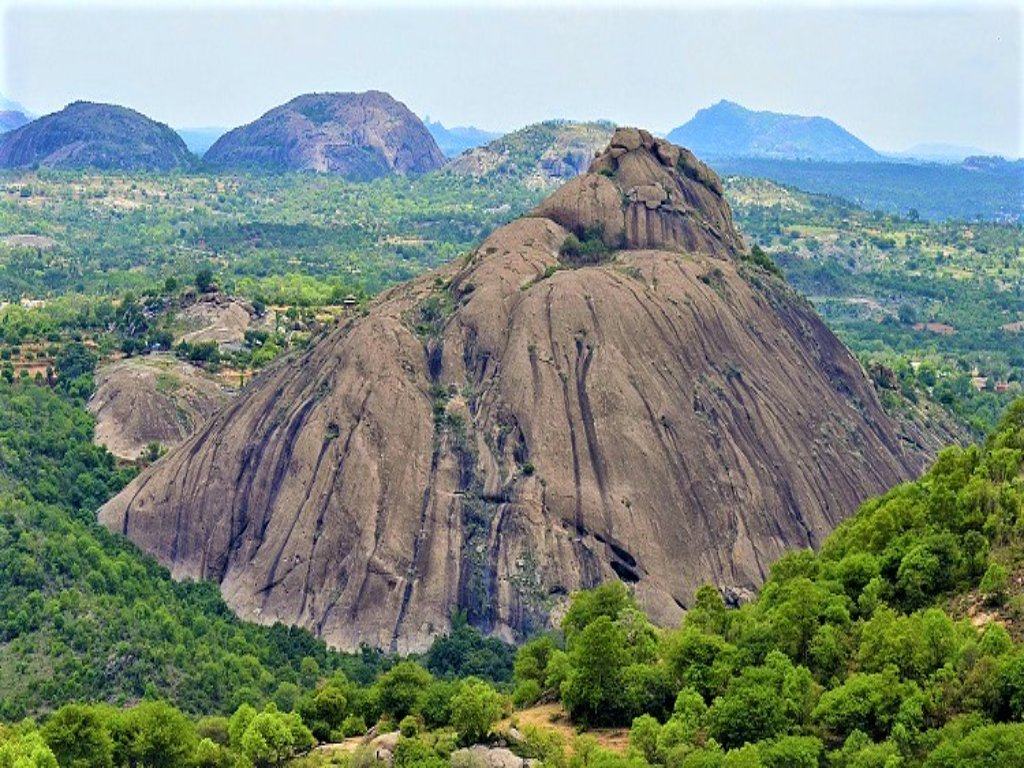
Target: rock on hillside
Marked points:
547	414
151	399
360	136
542	156
220	318
100	136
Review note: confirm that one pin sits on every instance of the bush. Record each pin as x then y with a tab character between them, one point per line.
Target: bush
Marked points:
526	694
643	737
353	725
994	584
588	248
409	726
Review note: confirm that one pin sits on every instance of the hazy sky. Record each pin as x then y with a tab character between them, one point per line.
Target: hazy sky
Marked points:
895	76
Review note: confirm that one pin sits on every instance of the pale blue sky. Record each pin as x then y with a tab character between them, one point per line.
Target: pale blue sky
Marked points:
919	72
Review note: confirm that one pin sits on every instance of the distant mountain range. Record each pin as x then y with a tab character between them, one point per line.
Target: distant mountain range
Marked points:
12	114
730	130
364	136
11	119
455	141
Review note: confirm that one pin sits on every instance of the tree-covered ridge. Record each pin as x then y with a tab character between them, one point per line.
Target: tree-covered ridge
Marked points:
84	616
979	188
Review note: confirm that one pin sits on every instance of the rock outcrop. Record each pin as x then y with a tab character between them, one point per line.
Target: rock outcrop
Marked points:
360	136
644	192
101	136
152	399
514	427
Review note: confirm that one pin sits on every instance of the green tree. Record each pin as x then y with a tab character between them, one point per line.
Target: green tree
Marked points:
994	583
325	709
24	747
155	734
594	683
991	746
400	688
204	279
273	737
475	708
78	736
643	737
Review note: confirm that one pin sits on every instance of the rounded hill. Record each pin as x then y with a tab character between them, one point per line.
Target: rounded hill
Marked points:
360	136
104	137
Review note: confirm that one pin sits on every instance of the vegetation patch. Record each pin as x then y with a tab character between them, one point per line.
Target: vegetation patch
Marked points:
586	250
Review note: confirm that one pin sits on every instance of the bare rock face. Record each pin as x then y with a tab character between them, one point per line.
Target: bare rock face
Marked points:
151	399
643	192
360	136
509	429
220	318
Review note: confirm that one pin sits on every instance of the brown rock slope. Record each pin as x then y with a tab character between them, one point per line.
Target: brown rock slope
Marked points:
151	399
514	427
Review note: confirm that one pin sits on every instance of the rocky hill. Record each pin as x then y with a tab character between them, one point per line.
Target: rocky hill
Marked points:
152	399
100	136
360	136
604	389
728	129
542	155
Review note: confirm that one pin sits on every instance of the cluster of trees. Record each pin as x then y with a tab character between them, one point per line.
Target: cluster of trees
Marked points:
848	657
434	716
85	616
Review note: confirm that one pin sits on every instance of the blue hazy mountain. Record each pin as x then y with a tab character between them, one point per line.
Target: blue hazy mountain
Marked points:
198	140
12	114
455	141
728	129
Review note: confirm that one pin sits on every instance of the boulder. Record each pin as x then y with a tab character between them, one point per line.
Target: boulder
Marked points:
480	756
